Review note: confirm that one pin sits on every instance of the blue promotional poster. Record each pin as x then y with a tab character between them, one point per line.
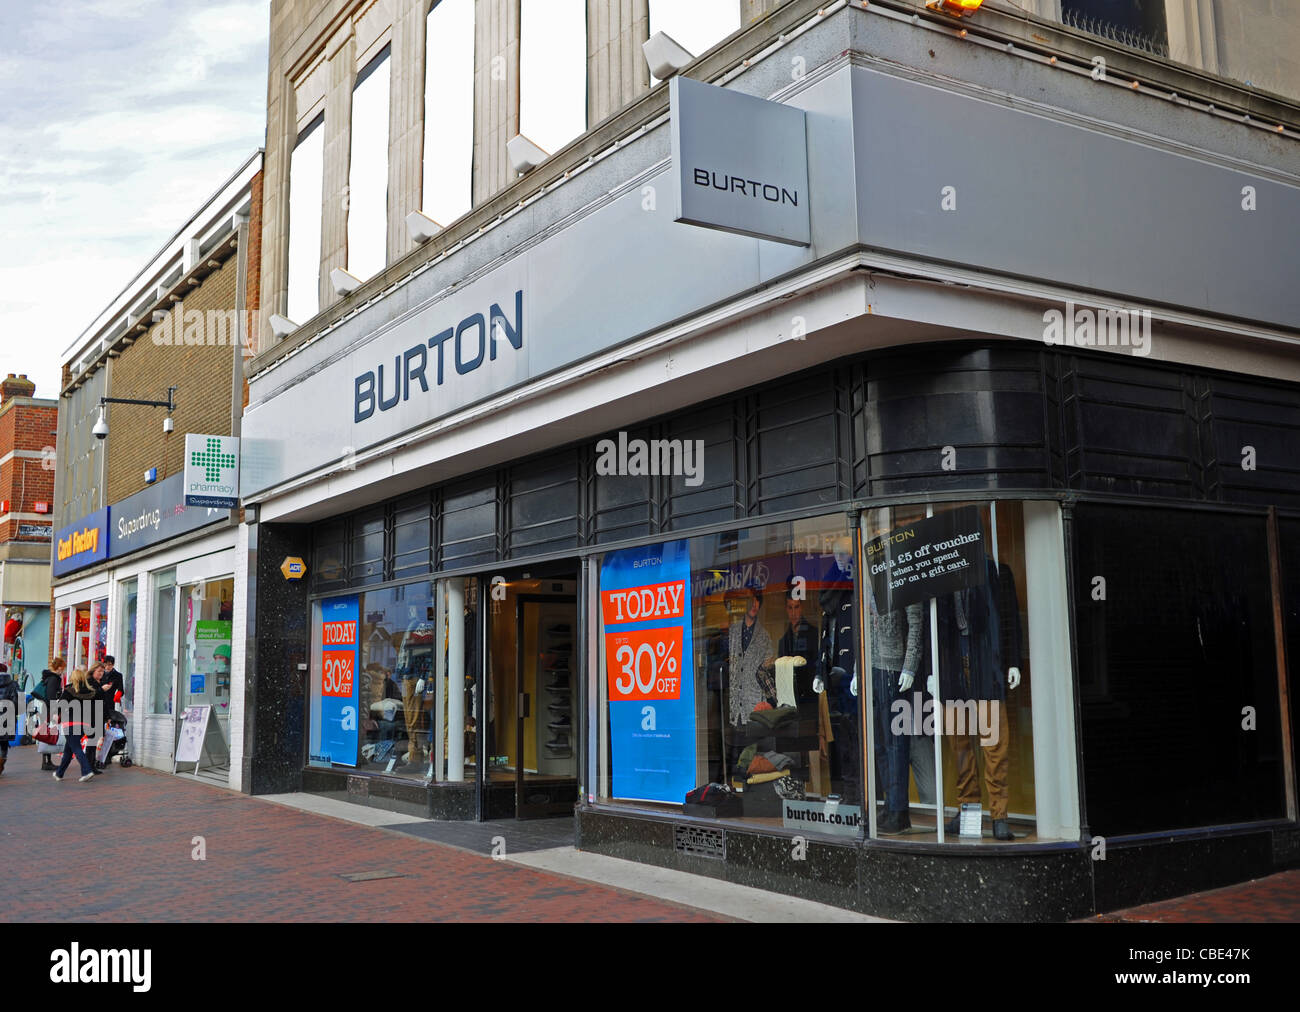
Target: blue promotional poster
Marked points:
340	690
645	602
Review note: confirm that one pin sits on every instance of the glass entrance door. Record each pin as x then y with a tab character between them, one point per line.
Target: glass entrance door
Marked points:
530	763
206	639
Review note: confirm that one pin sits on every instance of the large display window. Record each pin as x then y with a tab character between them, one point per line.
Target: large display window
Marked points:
948	648
738	670
127	626
725	676
373	687
163	673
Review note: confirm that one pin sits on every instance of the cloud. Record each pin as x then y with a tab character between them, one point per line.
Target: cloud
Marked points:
121	117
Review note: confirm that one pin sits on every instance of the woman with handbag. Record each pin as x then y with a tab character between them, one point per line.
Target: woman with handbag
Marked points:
47	691
78	702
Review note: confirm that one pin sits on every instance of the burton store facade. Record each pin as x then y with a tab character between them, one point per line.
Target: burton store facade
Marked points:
838	471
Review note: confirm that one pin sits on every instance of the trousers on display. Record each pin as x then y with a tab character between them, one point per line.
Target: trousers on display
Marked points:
997	756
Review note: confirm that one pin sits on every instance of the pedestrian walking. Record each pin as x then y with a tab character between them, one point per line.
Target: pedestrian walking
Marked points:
78	701
51	684
9	707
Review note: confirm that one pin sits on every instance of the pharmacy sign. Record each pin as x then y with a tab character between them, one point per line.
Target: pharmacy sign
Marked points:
212	471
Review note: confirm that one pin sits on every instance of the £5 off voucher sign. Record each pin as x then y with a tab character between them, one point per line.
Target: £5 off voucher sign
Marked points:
645	602
340	689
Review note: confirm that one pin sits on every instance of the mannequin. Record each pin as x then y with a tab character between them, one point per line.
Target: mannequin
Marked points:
979	659
896	646
749	678
837	667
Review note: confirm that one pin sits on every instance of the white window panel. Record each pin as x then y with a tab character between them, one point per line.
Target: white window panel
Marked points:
552	71
697	25
368	171
449	111
306	172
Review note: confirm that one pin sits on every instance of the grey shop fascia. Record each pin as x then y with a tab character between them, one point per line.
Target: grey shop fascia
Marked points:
473	338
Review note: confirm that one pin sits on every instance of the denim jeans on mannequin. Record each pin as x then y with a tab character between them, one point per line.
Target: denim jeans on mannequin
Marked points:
892	750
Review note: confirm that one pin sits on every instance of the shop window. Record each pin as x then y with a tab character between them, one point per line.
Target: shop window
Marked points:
368	547
696	26
367	197
207	624
454	747
306	180
1289	552
373	688
711	492
412	537
1177	669
126	634
1137	23
469	524
163	668
543	508
62	635
98	630
797	442
552	71
329	552
964	626
624	505
712	653
449	110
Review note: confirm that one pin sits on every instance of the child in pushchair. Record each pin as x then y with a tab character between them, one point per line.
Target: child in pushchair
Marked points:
112	743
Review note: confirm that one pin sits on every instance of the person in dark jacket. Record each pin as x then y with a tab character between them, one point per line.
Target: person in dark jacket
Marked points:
112	681
77	710
8	713
52	680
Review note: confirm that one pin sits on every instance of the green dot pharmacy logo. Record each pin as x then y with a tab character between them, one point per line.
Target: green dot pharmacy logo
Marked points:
211	471
212	460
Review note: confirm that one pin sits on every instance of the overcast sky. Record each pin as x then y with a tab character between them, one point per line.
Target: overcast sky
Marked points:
118	119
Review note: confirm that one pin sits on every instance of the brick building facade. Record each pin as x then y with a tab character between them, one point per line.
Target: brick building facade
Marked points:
28	426
175	338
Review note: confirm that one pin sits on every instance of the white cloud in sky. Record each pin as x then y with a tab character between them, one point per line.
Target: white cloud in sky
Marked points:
121	117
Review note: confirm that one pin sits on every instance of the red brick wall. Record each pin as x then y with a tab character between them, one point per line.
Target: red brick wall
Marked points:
23	481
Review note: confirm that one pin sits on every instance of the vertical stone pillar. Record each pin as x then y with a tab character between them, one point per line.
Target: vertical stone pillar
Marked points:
496	93
405	122
341	52
616	69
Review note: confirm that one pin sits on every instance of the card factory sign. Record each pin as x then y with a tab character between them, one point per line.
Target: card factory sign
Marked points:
81	544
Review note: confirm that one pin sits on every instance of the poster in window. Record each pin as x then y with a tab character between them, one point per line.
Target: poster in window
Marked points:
649	662
340	689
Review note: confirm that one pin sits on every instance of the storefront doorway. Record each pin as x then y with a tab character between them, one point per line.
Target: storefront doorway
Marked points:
529	747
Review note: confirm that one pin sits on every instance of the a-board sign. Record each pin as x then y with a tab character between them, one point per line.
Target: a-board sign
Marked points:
928	558
194	728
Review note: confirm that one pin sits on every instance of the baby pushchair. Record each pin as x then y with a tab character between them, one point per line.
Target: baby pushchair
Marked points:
112	743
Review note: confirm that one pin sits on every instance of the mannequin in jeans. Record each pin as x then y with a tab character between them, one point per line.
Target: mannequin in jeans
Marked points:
896	645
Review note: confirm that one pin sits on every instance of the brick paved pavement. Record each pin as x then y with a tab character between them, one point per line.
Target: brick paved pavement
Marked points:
128	835
1272	900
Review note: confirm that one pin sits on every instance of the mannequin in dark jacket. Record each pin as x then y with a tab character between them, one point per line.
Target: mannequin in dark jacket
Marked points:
837	671
979	660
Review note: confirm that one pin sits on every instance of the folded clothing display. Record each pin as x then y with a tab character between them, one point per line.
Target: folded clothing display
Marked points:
714	801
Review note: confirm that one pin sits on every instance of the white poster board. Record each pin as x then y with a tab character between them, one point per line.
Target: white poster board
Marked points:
194	732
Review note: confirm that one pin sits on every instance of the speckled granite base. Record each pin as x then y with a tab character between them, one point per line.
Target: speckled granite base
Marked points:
452	802
930	883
